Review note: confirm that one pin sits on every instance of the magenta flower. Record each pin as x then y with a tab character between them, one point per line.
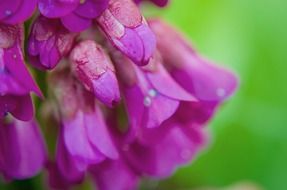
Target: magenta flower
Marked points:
49	42
16	82
127	30
209	83
81	119
76	15
151	95
161	150
124	176
94	69
205	81
16	11
65	171
169	94
22	149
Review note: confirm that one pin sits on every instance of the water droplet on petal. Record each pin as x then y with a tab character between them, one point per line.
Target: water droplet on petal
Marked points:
14	56
147	101
152	93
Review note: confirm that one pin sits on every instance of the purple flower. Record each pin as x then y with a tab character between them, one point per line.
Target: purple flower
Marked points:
127	30
124	176
76	15
64	172
161	150
22	149
81	119
16	11
209	83
204	80
48	42
151	95
16	82
94	69
160	3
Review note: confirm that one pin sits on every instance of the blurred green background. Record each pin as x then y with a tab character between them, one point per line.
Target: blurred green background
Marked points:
249	134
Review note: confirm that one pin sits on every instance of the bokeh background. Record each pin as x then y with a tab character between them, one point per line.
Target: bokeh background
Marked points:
249	134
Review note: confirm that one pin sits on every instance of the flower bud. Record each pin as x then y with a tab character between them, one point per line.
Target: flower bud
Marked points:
49	42
94	69
127	30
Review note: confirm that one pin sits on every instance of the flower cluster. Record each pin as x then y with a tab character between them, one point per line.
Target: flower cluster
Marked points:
126	97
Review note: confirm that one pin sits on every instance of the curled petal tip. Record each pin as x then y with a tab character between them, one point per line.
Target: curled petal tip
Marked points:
106	88
94	69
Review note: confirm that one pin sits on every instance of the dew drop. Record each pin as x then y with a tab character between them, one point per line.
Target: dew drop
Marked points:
220	92
152	93
147	101
14	56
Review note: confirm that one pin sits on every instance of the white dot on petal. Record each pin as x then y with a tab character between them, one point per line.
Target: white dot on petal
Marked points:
152	92
147	101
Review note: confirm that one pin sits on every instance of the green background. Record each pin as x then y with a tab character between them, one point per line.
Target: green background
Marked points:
249	134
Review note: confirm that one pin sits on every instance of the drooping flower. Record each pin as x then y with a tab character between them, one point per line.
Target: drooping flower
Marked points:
209	83
124	176
81	119
22	149
165	148
76	15
16	82
94	69
49	41
16	11
159	141
169	93
206	81
65	170
151	95
128	31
